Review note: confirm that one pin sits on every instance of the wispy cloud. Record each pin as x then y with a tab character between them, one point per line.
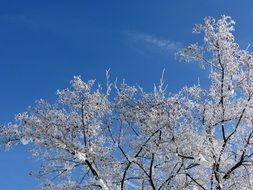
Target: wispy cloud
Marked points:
146	43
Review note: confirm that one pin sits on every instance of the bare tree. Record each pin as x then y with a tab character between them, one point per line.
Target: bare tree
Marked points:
125	138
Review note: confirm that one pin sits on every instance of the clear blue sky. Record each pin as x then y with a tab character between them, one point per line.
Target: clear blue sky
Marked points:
43	44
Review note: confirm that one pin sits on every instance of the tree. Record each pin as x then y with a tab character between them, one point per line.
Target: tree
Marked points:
124	138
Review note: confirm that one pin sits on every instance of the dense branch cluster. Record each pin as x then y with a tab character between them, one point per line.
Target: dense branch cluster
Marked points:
124	138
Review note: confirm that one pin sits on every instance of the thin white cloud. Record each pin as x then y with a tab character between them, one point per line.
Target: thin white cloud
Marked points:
145	42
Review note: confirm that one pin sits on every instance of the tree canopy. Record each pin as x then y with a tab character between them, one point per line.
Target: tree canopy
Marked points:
121	137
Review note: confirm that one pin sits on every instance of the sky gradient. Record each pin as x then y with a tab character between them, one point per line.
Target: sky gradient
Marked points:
43	44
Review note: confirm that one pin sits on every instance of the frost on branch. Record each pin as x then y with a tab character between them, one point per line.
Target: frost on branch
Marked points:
192	53
122	137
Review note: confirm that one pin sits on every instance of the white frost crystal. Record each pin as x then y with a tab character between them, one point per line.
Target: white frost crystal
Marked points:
24	140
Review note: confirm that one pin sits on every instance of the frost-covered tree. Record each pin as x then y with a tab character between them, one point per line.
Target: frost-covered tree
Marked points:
121	137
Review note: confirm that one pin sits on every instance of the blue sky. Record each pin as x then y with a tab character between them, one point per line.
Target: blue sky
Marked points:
43	44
